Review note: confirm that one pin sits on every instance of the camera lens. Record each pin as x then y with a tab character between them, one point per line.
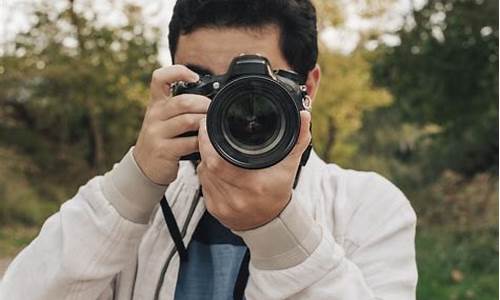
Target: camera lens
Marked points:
253	124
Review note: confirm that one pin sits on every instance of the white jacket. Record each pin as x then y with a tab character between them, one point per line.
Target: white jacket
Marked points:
345	235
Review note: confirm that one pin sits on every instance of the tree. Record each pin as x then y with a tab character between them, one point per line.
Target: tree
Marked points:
345	94
72	94
445	73
346	91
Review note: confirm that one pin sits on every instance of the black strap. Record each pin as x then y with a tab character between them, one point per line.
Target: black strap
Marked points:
173	229
241	280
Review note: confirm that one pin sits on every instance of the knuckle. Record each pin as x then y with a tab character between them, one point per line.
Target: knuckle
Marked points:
179	104
183	103
194	120
189	122
187	146
181	69
195	144
156	75
212	163
165	151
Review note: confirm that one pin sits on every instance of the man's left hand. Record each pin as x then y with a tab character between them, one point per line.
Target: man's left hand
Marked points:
244	199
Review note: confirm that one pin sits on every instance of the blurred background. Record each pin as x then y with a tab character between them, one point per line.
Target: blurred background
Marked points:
410	90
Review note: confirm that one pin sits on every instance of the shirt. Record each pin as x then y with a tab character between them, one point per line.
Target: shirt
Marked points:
215	255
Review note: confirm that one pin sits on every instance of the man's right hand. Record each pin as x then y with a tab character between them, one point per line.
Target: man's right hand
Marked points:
158	148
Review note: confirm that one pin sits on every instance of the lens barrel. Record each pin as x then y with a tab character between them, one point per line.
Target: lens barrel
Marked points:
253	122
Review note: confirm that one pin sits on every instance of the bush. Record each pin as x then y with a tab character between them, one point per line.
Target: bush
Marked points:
20	202
457	265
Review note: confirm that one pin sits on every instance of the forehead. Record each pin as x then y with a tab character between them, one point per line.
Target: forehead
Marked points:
214	48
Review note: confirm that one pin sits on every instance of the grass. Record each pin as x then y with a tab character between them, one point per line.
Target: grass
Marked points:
457	265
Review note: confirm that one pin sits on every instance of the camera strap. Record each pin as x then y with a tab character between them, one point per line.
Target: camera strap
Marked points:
173	228
242	279
303	162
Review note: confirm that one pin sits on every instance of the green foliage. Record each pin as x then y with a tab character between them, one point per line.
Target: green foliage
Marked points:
346	93
329	13
347	90
74	90
445	73
72	96
457	265
19	200
14	238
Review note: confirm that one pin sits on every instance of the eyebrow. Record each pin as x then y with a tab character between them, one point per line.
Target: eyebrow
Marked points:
199	69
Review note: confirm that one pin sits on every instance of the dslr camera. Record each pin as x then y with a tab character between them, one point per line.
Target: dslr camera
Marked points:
253	120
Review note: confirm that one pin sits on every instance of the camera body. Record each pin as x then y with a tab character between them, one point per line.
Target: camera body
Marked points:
253	120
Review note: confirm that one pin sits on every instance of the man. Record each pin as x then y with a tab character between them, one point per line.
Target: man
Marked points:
339	234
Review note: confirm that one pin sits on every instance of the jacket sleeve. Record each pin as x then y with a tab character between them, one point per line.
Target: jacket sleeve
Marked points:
94	236
294	257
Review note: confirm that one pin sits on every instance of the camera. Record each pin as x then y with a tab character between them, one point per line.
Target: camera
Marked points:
253	120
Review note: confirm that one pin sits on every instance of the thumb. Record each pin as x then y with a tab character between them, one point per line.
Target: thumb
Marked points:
304	136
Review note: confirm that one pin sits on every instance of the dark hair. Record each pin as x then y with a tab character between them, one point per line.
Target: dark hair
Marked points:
296	20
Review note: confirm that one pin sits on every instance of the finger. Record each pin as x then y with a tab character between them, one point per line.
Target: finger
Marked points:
206	148
304	138
181	146
185	103
211	158
162	78
181	124
207	151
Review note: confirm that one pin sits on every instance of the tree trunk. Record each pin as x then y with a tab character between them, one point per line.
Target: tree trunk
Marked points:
96	138
95	135
330	141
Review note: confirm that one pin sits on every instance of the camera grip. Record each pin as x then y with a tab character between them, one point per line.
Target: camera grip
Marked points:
193	156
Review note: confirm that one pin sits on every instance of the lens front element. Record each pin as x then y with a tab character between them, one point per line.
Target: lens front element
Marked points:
253	124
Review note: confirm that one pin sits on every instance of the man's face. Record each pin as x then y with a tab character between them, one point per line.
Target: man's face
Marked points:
212	50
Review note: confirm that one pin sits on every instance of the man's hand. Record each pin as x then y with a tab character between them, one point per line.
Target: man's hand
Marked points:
245	199
158	148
